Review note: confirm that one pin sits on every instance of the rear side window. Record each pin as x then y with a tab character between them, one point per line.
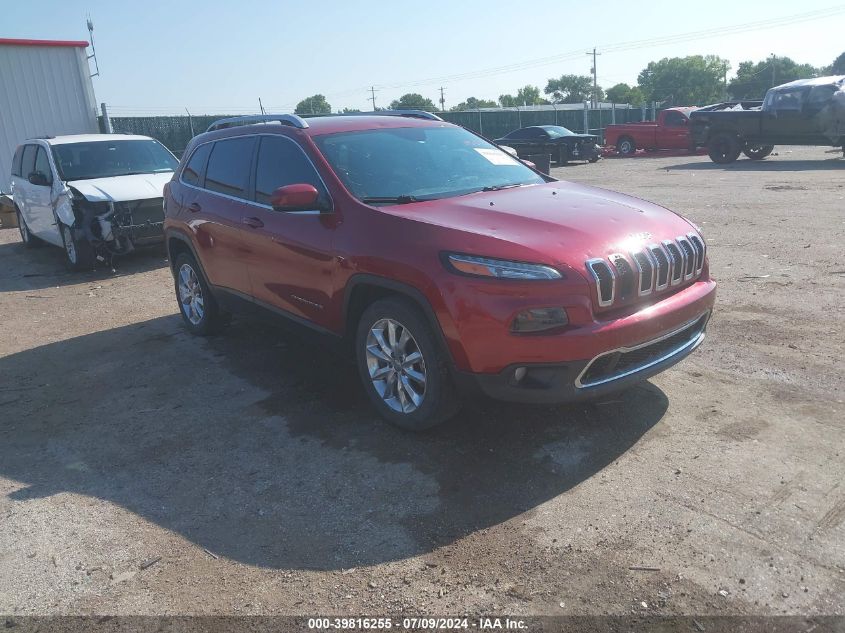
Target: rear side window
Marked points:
42	165
16	161
28	160
675	119
228	166
281	162
192	174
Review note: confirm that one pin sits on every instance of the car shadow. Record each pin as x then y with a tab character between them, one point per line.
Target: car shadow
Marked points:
45	266
260	446
773	165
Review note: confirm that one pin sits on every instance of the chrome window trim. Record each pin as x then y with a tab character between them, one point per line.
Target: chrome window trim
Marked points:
598	260
657	287
253	202
680	240
647	254
689	345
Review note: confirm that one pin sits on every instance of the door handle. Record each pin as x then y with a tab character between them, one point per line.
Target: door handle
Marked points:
254	222
194	207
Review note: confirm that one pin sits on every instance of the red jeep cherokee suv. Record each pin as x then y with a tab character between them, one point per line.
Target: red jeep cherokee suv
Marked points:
446	261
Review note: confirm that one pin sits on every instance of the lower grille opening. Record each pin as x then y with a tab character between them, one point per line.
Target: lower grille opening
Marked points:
618	364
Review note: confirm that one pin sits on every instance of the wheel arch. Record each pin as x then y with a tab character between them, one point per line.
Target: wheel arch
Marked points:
363	289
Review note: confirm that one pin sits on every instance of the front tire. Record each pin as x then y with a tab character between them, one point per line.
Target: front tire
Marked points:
404	371
79	254
724	148
758	152
200	312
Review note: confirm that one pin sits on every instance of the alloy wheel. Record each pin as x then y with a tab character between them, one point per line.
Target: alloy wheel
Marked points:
190	294
396	365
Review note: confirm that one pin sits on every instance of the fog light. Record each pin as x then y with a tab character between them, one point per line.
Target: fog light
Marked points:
519	373
539	319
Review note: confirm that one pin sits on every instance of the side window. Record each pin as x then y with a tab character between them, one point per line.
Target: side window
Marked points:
281	162
536	133
819	97
787	100
192	174
674	119
517	134
228	166
16	161
28	160
42	165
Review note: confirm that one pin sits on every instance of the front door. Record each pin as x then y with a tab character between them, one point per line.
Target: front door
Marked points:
676	130
43	223
290	260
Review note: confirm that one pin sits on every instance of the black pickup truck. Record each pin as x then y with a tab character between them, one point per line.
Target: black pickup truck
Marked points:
804	112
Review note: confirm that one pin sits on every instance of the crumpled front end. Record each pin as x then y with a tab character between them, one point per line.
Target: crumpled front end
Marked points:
117	228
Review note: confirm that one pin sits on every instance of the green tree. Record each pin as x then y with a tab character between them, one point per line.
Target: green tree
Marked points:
754	79
623	93
473	104
692	80
525	96
412	101
313	105
572	89
837	67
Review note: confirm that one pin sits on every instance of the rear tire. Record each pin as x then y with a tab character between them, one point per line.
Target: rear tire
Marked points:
626	146
404	371
724	148
200	312
758	152
79	254
28	239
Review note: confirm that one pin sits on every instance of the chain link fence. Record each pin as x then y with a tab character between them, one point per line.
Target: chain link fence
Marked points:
175	132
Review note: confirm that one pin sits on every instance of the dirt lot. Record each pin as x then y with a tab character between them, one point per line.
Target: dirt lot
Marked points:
251	464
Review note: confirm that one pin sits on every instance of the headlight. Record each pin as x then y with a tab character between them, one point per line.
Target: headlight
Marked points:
500	268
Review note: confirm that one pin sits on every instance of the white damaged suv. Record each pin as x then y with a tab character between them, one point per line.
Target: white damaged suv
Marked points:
95	195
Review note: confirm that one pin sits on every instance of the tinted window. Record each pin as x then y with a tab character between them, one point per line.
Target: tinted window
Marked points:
16	161
518	134
192	174
535	132
281	162
28	161
43	165
788	100
557	131
228	166
819	97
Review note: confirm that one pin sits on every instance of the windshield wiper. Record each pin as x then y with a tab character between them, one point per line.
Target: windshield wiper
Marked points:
500	187
390	200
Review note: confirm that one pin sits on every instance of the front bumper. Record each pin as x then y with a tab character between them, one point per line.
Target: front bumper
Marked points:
608	372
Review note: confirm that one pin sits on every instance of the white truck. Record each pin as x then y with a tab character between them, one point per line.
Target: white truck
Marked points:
45	90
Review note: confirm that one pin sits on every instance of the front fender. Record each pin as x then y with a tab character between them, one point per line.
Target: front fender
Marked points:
63	206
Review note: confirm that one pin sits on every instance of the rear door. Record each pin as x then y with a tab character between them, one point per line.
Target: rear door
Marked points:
22	194
291	263
217	208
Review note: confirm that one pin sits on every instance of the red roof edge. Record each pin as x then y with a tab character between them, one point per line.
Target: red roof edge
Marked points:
14	42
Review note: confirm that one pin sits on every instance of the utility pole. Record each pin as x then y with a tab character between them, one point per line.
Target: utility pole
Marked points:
595	79
442	100
373	97
774	68
260	106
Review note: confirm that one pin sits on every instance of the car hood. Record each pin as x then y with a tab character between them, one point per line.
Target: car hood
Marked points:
122	188
554	223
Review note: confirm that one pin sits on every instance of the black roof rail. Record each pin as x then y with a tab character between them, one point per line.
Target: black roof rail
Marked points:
285	119
413	114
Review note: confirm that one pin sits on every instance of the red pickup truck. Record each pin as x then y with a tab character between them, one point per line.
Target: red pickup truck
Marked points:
670	131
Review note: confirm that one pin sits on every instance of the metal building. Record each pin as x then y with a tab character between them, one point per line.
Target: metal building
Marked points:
45	90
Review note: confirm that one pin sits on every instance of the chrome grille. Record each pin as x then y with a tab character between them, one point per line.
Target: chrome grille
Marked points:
650	269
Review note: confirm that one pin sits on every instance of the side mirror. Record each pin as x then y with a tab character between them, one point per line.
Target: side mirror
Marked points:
39	179
299	197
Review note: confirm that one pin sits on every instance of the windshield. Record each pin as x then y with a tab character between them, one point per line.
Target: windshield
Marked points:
556	131
102	159
397	165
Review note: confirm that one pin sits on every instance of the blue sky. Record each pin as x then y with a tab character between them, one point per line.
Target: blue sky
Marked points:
217	57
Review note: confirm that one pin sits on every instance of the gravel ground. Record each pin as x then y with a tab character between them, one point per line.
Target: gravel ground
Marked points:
144	471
